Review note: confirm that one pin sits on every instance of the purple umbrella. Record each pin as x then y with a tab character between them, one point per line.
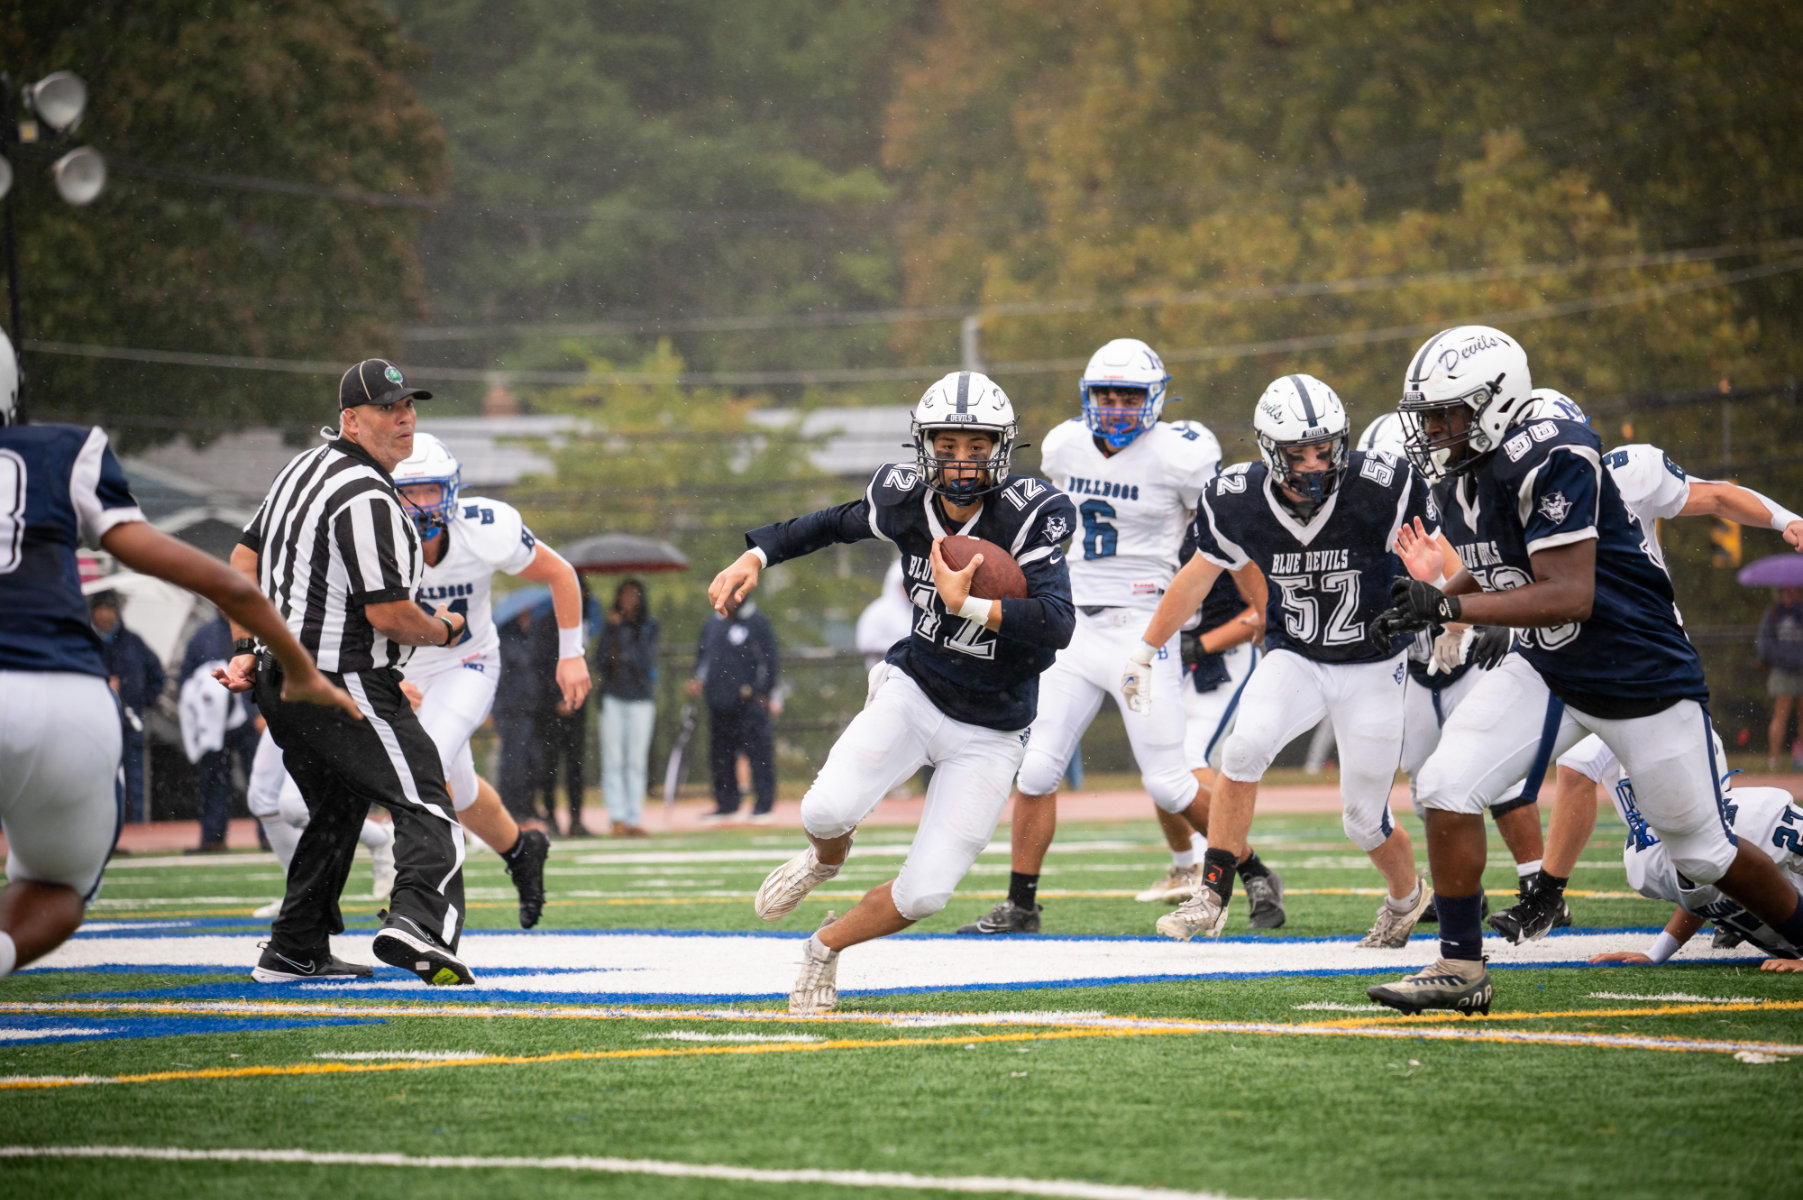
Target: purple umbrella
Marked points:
1773	571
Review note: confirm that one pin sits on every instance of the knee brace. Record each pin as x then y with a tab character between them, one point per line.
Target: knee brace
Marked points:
1039	775
1367	830
1171	790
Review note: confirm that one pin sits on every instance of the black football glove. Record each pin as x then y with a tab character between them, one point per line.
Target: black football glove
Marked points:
1489	646
1414	606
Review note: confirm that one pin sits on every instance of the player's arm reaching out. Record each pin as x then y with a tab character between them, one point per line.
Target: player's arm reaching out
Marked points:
551	568
148	550
1181	599
1249	624
1713	498
1432	559
784	540
1680	929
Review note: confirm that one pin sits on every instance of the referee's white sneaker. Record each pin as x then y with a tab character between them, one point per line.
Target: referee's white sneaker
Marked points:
788	885
411	950
816	989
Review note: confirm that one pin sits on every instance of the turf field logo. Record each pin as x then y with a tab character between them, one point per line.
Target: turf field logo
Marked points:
1555	507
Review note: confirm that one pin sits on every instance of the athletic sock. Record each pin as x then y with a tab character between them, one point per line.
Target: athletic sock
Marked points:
1543	880
1461	934
1218	867
1405	903
1251	867
1023	890
9	955
1527	869
1184	859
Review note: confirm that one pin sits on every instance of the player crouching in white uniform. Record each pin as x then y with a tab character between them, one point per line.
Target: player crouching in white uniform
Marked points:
959	693
275	800
1134	480
1765	817
467	539
1320	521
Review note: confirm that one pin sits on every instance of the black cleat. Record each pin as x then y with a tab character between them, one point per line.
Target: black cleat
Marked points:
1456	984
401	944
1533	916
1725	938
1265	892
527	867
1006	917
277	967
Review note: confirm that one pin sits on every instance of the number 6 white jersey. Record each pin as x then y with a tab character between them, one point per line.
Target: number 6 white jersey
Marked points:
1133	506
486	536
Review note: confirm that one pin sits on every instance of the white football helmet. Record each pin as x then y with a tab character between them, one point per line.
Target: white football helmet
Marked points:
1474	366
1546	403
1386	433
1123	363
430	462
9	381
967	402
1300	410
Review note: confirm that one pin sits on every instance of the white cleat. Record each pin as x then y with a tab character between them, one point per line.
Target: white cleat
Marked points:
788	885
1174	888
1204	914
816	989
382	868
1391	930
269	911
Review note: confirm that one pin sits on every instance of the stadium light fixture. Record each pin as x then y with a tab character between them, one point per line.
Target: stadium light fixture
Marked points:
36	120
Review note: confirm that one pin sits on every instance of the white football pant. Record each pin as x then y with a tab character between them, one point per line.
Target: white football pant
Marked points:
898	732
457	700
60	781
1288	695
274	799
1511	720
1208	716
1070	695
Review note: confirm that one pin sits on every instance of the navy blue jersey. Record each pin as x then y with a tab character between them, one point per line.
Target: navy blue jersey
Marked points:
60	486
1543	488
970	673
1329	577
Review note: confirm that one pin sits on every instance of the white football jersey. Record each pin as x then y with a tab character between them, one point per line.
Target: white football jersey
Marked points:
1134	506
486	536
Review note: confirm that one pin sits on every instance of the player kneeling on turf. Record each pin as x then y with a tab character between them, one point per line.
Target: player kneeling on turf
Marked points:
958	693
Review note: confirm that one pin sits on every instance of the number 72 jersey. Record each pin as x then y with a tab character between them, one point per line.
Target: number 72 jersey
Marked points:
1329	576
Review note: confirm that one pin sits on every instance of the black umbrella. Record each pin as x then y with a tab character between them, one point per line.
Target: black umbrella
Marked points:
623	553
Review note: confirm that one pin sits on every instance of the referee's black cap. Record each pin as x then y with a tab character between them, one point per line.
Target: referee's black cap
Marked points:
376	381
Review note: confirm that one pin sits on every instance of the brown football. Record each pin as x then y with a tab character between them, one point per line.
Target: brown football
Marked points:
999	578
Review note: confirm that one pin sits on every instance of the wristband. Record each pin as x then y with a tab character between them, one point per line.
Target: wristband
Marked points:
763	559
1781	516
975	609
450	631
244	646
569	642
1663	947
1143	653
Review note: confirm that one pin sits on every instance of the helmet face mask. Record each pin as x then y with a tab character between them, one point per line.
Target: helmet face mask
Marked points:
963	402
1123	365
430	464
1297	412
1471	367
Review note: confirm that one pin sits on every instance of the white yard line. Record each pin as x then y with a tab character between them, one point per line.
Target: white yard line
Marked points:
1672	997
21	1035
898	1180
690	1035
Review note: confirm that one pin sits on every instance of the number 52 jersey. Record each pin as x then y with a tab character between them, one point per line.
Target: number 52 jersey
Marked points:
1329	576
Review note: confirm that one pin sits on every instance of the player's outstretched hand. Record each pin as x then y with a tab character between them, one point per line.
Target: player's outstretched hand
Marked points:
1449	651
315	688
1489	646
1793	533
238	675
573	681
1625	957
415	697
954	586
732	585
1419	553
1783	965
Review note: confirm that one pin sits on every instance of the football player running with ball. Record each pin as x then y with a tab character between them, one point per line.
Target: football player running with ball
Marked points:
958	693
465	541
1550	547
1134	480
1320	521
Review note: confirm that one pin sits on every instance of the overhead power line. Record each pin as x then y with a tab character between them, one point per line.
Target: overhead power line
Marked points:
854	375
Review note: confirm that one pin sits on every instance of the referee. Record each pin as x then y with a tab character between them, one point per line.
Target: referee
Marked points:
333	548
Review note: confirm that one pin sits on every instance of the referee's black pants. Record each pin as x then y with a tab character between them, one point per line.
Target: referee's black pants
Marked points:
341	767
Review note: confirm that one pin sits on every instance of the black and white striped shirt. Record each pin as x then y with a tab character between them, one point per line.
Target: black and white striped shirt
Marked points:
331	537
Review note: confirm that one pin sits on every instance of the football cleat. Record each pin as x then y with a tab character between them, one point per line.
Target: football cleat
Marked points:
403	945
1175	887
787	886
382	871
1725	938
816	989
1006	917
527	867
1391	929
1531	917
1265	894
276	967
1458	984
1203	914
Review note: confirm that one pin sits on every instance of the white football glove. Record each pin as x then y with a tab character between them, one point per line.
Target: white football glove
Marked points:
1136	680
1449	651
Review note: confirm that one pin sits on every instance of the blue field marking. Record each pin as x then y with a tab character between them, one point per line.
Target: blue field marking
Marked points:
86	1027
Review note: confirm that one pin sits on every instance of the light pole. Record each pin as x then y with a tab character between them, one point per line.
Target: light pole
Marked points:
37	121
